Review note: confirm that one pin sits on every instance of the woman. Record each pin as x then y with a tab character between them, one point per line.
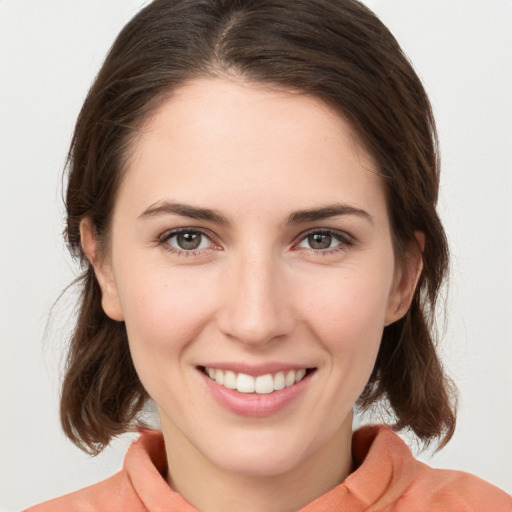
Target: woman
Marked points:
252	189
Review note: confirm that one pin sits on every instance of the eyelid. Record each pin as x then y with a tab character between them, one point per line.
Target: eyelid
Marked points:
170	233
346	240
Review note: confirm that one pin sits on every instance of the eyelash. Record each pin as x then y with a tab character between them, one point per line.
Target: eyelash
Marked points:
345	241
163	240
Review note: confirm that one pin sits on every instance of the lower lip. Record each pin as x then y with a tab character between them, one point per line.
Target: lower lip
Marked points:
254	404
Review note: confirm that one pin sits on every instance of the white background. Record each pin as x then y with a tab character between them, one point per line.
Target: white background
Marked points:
49	53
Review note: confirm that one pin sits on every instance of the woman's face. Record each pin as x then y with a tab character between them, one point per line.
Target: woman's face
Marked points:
251	242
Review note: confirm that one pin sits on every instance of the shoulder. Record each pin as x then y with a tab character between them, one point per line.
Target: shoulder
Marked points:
127	490
406	484
106	495
447	490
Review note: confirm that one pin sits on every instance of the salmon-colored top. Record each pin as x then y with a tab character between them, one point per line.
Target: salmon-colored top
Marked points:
388	478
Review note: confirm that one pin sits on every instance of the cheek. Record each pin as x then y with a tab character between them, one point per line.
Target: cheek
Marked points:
163	309
347	316
349	305
164	313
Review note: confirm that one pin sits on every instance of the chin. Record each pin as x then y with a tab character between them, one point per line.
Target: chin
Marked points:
262	465
268	454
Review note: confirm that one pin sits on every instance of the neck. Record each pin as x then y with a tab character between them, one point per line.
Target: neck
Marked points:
213	489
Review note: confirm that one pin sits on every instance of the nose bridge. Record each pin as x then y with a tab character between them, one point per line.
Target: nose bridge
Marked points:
255	311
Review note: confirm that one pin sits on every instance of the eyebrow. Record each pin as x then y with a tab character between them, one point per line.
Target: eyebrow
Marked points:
326	212
298	217
184	210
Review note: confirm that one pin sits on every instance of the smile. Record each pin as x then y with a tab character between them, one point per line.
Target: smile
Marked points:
261	385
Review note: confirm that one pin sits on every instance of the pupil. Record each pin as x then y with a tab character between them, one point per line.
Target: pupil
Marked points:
189	241
319	241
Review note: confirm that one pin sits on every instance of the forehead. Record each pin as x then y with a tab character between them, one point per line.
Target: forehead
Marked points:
215	139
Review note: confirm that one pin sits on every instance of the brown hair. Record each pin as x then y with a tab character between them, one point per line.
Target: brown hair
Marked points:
336	50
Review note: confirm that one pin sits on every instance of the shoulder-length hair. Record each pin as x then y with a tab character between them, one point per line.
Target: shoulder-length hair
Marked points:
335	50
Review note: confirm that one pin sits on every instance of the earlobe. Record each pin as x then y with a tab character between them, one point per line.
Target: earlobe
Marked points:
102	269
406	281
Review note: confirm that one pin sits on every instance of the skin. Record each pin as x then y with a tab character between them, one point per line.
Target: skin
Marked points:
255	290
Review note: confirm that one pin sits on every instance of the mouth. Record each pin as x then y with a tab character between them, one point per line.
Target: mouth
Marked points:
258	385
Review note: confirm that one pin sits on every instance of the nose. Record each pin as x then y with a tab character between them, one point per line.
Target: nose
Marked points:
256	309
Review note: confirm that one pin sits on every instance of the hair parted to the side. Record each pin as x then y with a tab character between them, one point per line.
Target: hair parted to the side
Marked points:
335	50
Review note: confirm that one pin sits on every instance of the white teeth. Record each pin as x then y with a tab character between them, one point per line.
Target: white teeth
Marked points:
244	383
219	376
299	375
279	381
289	379
263	384
229	379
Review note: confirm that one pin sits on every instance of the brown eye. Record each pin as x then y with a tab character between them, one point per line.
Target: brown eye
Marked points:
320	241
185	241
326	241
188	241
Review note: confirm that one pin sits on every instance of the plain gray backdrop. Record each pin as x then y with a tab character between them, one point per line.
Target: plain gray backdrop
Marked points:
49	53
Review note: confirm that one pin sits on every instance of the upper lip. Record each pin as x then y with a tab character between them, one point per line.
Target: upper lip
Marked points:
255	370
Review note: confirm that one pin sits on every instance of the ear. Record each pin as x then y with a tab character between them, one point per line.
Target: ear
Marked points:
103	270
405	281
